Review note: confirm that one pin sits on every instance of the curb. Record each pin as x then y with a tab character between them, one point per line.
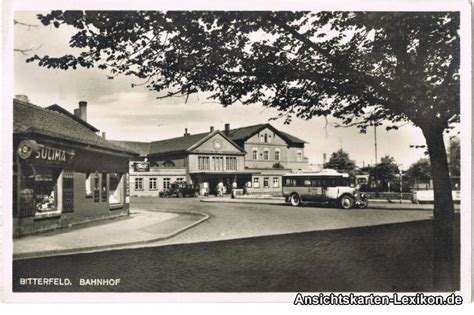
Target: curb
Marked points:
250	201
91	249
374	205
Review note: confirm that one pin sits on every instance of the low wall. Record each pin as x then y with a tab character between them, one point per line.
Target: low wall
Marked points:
427	196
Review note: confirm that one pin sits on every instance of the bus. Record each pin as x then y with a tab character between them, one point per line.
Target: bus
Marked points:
327	186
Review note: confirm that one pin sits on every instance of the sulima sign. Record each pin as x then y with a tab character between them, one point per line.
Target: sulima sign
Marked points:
30	148
51	154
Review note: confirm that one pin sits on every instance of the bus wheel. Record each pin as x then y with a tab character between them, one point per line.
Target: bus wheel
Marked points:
363	203
346	202
295	199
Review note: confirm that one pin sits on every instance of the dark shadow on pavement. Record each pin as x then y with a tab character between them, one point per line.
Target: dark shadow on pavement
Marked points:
384	258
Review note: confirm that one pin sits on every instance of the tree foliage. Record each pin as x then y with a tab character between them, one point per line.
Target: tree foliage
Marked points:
454	154
419	171
364	68
387	169
361	67
341	162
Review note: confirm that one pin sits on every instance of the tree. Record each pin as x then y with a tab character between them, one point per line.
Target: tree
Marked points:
454	153
418	171
387	170
341	162
364	68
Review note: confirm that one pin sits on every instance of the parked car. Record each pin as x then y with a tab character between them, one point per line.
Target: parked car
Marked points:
180	190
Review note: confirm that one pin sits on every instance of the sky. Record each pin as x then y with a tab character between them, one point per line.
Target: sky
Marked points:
134	114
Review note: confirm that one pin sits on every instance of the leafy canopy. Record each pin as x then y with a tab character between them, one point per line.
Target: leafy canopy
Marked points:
361	67
420	170
341	162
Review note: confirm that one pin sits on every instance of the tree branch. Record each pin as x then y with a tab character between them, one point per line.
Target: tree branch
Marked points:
26	51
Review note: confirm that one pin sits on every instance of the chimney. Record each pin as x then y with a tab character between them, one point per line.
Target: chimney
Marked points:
103	134
324	158
227	129
22	98
186	133
212	129
81	112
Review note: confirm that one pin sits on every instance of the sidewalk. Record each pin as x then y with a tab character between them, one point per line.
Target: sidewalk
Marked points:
140	228
373	204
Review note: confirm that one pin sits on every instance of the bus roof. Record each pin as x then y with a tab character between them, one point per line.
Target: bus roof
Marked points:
324	172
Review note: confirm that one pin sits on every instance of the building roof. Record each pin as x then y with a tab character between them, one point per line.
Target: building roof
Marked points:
181	144
32	119
142	148
243	133
59	109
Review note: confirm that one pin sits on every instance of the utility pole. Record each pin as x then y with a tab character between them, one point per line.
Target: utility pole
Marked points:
401	183
376	161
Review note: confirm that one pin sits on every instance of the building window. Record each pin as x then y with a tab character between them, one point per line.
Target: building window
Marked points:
138	183
203	163
88	185
96	188
255	154
179	180
104	193
276	182
218	162
256	182
277	155
153	183
166	182
266	138
262	139
39	192
115	188
299	156
231	163
266	155
266	182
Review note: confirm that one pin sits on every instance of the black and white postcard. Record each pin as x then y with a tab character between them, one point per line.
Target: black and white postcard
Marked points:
303	152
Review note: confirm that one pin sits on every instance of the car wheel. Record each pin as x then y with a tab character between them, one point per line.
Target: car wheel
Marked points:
295	199
363	203
180	195
346	202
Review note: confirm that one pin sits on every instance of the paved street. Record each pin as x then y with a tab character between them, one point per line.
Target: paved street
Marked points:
316	249
230	221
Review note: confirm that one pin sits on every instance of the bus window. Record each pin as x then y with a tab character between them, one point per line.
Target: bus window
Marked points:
316	183
307	182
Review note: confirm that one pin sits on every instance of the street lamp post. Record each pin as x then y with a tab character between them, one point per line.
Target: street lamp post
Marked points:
401	182
376	161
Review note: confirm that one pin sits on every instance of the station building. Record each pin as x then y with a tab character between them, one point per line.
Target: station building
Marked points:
64	173
251	159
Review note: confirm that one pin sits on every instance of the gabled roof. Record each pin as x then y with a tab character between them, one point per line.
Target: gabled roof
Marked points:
176	145
212	134
242	134
59	109
185	143
32	119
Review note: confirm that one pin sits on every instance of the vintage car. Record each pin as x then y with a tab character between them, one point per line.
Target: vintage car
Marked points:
180	190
